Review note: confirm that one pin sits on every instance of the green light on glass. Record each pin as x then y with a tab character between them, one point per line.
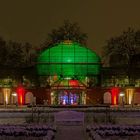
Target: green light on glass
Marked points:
68	59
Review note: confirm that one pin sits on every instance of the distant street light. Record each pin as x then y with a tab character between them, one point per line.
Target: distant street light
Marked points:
121	94
14	94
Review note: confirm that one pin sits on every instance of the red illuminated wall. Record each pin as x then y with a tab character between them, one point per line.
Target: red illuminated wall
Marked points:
114	95
73	83
21	95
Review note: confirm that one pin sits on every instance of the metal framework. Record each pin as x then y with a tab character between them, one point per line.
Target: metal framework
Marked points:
69	60
68	69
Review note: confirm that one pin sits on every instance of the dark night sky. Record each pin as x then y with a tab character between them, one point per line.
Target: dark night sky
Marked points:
32	20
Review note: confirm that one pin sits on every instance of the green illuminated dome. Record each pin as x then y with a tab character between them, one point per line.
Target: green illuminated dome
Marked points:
68	59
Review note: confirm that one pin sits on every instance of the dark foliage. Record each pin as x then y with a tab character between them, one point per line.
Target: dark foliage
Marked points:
68	31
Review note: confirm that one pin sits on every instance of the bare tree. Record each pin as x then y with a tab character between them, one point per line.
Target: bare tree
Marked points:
68	31
122	50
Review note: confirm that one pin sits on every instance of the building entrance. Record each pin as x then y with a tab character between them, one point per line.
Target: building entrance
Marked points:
68	98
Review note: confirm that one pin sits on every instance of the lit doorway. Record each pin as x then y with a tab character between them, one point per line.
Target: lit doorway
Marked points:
68	98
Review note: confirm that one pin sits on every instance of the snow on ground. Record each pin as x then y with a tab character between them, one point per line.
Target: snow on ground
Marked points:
18	115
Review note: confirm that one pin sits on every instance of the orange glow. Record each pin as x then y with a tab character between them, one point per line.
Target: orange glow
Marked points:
21	101
6	92
55	77
114	95
129	95
114	100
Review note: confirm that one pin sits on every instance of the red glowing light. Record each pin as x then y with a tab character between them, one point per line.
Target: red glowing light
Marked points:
114	93
21	94
73	83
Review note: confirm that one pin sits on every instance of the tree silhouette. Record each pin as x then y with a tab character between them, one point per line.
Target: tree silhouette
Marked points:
68	31
3	51
122	50
28	54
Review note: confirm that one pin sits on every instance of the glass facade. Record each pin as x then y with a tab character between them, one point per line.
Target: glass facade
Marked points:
68	59
68	68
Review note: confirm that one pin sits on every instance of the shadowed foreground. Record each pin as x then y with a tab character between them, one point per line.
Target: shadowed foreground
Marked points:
70	133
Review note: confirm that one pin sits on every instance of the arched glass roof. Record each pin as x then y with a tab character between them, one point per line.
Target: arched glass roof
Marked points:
68	59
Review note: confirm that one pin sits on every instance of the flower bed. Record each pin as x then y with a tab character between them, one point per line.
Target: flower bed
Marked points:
99	132
28	132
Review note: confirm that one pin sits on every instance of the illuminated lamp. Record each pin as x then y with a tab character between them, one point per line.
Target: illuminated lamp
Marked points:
114	95
73	83
21	94
121	94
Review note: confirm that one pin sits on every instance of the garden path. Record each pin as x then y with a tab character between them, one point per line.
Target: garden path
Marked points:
70	133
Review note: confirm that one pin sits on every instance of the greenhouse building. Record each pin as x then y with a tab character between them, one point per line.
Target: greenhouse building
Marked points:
67	70
68	73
